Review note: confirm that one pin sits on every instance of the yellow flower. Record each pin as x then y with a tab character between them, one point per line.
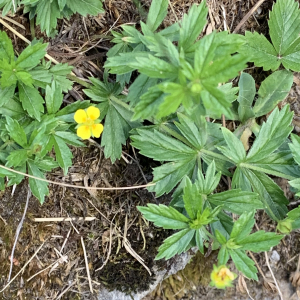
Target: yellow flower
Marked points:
88	123
221	277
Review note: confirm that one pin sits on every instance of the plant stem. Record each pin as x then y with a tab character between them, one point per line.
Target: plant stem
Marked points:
78	80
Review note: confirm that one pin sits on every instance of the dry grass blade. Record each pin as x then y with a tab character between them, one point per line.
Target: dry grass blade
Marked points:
64	219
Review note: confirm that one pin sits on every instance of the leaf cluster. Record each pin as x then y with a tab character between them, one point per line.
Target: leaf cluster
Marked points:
48	12
31	121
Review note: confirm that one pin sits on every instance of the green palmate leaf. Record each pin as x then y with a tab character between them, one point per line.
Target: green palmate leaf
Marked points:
243	226
164	216
243	263
270	193
38	188
259	241
192	25
31	56
158	11
236	201
16	132
272	90
47	14
6	47
58	75
211	179
284	27
246	96
261	51
272	134
84	7
31	100
16	178
175	244
8	5
284	24
193	200
53	98
63	153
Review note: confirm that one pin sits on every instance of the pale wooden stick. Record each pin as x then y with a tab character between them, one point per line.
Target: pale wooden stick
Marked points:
87	266
63	219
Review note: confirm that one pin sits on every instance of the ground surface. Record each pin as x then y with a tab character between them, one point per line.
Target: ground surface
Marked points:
58	270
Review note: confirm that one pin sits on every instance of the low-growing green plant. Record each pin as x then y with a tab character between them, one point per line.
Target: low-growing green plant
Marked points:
31	120
48	11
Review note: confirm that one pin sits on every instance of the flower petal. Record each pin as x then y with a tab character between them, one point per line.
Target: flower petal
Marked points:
97	130
80	116
84	132
93	112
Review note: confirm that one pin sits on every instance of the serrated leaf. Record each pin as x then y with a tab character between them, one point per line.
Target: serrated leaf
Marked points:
243	226
53	98
273	90
192	25
16	132
6	94
193	200
139	87
70	138
31	56
47	14
154	67
271	135
235	151
38	188
284	24
6	47
175	244
236	201
246	96
164	216
63	153
243	263
17	158
259	241
116	129
270	193
84	7
261	51
31	100
160	146
157	12
168	175
211	179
